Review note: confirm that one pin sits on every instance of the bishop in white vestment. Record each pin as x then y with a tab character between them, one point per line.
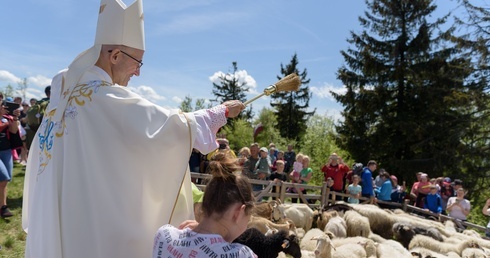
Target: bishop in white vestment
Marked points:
107	167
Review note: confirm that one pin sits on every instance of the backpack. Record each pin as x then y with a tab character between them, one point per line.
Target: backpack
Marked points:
35	114
357	169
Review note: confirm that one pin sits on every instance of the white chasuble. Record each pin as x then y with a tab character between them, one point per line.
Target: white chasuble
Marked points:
102	181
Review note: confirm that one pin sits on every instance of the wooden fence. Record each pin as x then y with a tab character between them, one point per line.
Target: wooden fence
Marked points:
318	197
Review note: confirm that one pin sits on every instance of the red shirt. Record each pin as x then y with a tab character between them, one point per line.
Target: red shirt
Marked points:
337	173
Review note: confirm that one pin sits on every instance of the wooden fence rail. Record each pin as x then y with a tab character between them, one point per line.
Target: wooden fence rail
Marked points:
321	196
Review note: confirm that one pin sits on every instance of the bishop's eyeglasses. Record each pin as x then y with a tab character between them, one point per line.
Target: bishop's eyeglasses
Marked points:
140	63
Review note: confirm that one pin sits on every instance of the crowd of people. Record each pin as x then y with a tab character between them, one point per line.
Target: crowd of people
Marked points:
16	134
439	195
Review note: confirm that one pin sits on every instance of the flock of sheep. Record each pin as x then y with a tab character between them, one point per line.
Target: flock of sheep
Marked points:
354	230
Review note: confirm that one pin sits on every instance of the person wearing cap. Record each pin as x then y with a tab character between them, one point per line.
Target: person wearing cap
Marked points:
446	192
336	169
433	202
262	168
263	165
81	200
458	207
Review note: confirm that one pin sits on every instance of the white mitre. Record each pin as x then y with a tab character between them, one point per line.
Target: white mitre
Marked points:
117	25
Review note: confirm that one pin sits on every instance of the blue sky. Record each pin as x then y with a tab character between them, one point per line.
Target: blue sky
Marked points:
188	43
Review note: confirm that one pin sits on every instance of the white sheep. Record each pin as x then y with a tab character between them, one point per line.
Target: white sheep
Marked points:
337	226
376	238
380	221
453	255
368	245
325	249
440	247
357	225
309	242
424	253
450	227
391	248
472	233
473	253
301	214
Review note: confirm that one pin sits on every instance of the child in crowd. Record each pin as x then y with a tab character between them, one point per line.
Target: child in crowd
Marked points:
280	156
354	190
226	209
262	167
278	176
298	164
432	201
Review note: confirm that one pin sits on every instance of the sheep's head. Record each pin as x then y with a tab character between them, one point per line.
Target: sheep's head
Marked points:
323	246
404	230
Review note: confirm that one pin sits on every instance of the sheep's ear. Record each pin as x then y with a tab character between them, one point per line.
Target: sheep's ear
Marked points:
330	234
285	244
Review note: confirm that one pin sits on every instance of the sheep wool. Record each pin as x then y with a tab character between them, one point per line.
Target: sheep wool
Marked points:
440	247
307	242
337	226
380	221
368	244
357	225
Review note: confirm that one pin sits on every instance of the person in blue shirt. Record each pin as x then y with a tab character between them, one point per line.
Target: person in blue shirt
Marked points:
383	193
433	201
367	180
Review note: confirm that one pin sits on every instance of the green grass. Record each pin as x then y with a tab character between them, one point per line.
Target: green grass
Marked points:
12	237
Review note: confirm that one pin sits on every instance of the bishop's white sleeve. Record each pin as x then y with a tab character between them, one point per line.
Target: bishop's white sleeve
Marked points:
209	121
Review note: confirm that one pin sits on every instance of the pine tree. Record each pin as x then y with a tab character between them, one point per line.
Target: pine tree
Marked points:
291	107
474	157
232	87
405	97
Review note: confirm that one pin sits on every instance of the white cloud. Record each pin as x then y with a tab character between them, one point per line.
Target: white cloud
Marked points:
147	93
324	91
242	77
9	77
39	80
